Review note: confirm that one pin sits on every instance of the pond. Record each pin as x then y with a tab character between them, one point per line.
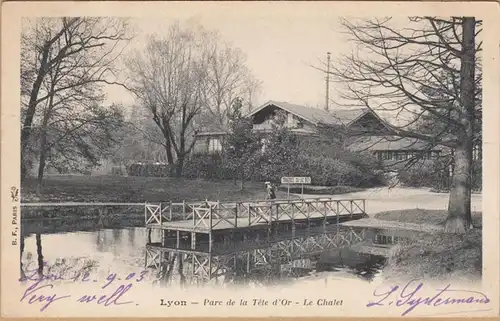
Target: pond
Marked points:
124	246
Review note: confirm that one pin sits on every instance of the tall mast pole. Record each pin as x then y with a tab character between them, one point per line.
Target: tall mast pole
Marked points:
327	80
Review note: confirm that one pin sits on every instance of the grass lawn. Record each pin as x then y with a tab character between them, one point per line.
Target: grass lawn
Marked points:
421	216
437	256
139	189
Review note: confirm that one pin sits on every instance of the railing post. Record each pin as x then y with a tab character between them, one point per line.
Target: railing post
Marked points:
236	215
326	212
193	240
170	211
338	216
351	207
271	212
249	218
210	216
145	213
364	209
160	213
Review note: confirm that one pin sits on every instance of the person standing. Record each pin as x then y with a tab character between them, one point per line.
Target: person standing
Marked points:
270	191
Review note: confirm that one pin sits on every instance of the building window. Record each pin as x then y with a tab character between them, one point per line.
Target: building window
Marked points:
214	145
401	155
386	155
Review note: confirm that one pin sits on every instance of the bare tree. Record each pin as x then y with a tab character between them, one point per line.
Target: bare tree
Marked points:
227	80
184	79
165	80
83	51
424	68
74	126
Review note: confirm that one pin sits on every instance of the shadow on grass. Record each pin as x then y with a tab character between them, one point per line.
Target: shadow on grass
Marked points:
438	256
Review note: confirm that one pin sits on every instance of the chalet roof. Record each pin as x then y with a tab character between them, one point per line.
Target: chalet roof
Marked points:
316	115
392	143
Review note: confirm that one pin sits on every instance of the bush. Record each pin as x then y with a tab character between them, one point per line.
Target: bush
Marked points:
150	169
282	157
204	167
435	174
477	176
424	174
323	171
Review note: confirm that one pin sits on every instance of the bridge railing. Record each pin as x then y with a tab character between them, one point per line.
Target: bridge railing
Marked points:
209	214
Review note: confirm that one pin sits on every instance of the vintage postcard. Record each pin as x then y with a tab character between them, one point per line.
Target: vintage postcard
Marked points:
250	159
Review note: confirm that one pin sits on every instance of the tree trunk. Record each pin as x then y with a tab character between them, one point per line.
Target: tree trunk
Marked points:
168	149
242	179
39	253
180	166
459	208
41	166
30	112
23	275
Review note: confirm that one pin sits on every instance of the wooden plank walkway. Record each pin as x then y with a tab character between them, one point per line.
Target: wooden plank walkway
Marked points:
239	223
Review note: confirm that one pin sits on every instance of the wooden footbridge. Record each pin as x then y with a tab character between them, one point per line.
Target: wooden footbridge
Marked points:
181	220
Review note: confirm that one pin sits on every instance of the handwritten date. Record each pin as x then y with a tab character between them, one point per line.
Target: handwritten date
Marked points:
42	290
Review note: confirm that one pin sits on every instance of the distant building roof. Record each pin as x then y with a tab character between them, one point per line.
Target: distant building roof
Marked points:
316	115
380	143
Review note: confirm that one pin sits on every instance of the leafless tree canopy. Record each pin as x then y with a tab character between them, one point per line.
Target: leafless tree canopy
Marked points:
427	70
412	72
65	62
188	78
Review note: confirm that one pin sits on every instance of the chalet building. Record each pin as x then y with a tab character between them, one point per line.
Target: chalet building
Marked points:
393	149
366	131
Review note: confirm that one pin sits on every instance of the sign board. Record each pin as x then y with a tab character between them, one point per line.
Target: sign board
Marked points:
295	180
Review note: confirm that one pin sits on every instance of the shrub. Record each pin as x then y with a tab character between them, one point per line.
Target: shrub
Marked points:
150	169
337	167
477	176
422	174
435	174
201	166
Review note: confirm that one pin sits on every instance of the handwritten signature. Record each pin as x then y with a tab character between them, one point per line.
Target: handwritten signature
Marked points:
42	290
409	298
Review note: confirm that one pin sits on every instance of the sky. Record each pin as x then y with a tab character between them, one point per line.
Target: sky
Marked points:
281	50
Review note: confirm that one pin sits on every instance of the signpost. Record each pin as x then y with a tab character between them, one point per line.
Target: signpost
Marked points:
295	181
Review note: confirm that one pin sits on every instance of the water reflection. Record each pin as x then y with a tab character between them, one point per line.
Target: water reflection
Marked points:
261	259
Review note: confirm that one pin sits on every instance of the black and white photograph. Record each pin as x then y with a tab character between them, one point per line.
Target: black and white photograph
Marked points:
250	159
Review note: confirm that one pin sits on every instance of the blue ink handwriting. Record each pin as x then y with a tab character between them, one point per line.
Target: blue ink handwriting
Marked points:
409	298
32	295
106	300
42	290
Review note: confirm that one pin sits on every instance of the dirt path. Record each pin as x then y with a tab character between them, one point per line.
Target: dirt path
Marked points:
390	199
